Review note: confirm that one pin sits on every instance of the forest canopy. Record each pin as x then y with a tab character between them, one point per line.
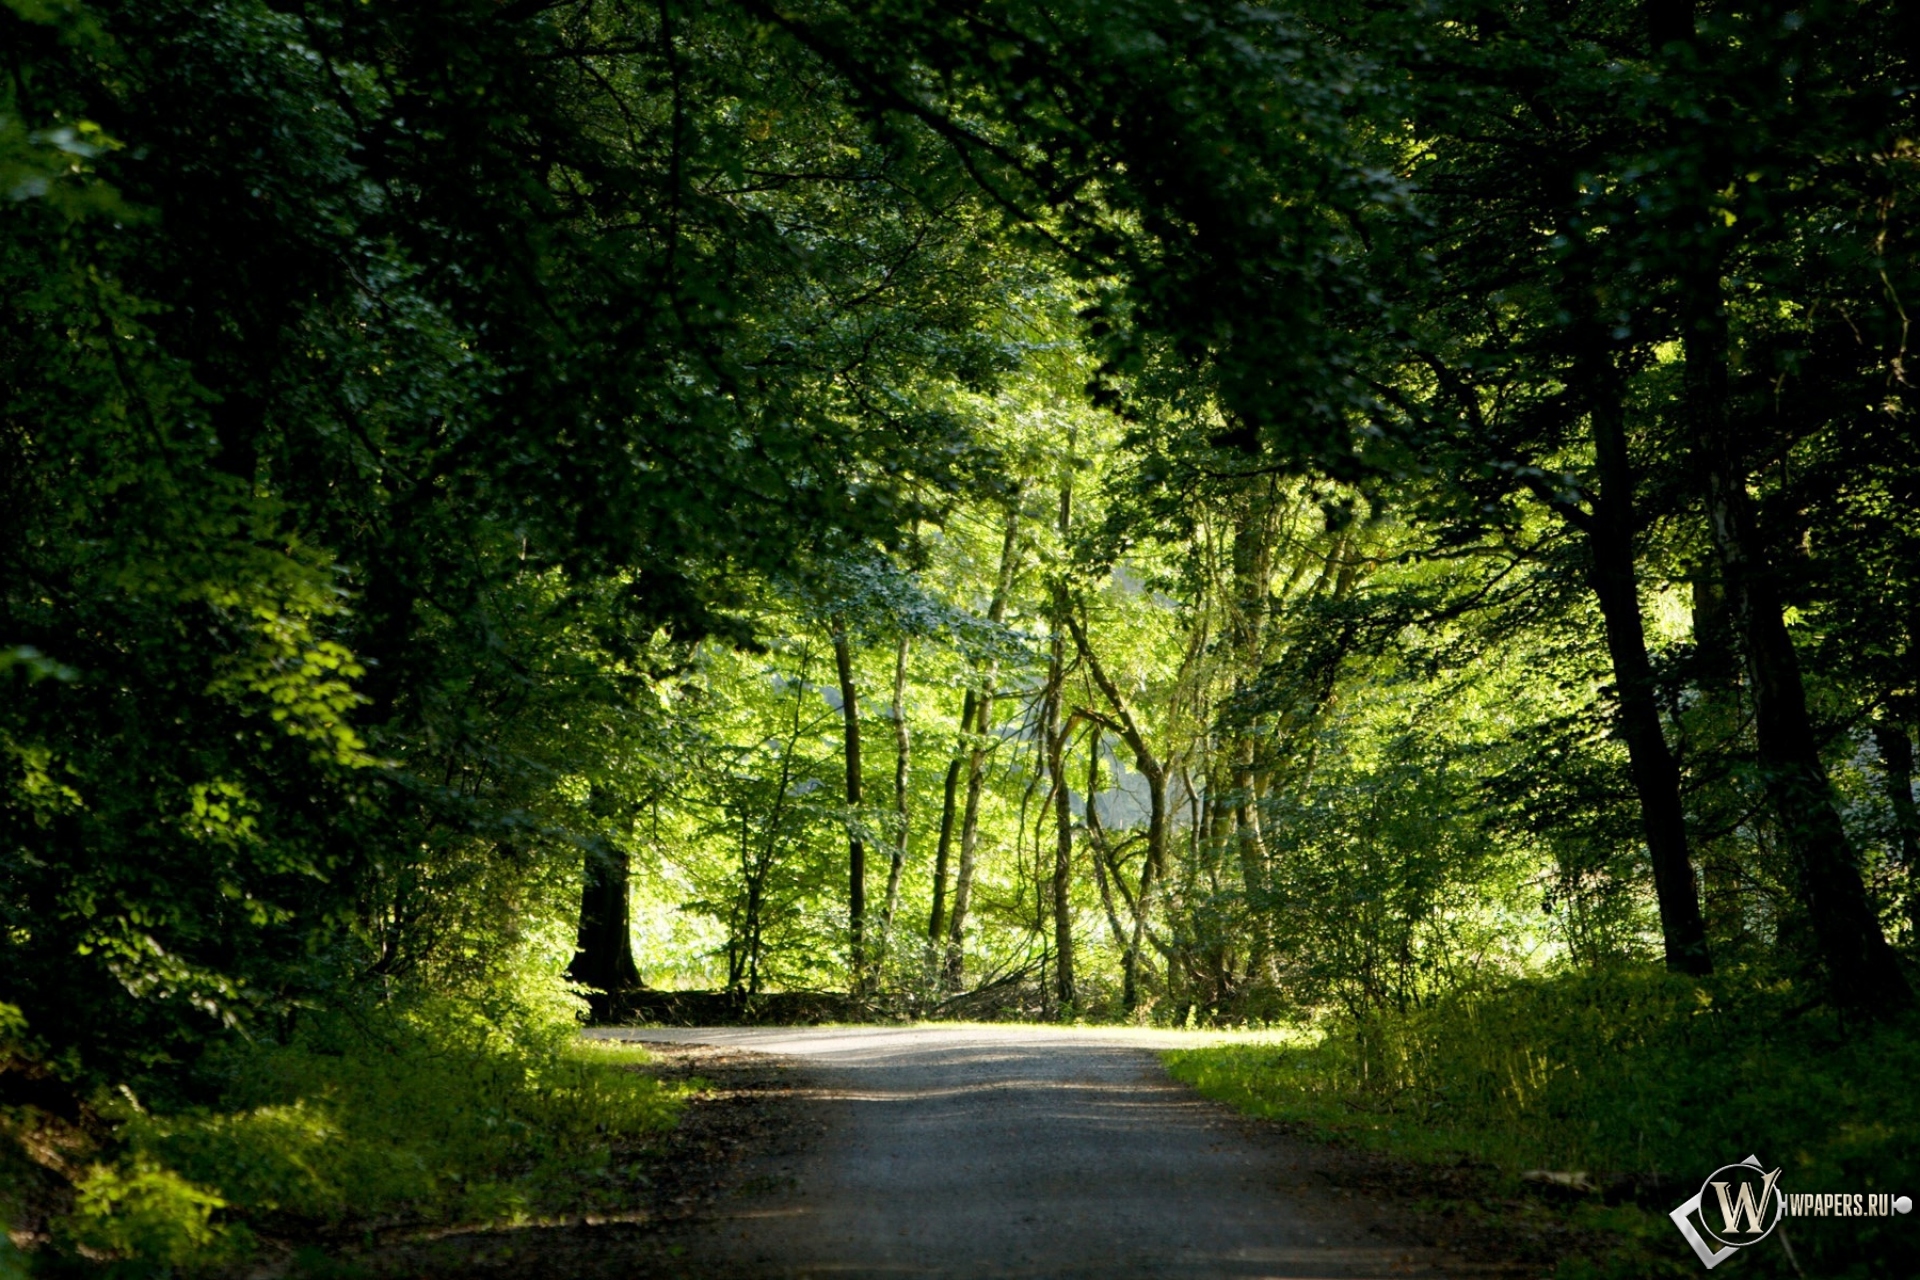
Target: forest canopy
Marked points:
1182	511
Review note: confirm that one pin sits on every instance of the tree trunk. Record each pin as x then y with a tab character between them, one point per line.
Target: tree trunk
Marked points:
1097	839
762	867
1144	757
902	762
1056	742
955	972
1155	771
603	953
937	919
1862	970
1615	578
1896	760
1249	839
754	927
1055	736
1247	632
1154	870
1717	715
856	847
969	843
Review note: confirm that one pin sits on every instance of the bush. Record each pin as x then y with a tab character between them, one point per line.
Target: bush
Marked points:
139	1211
1619	1073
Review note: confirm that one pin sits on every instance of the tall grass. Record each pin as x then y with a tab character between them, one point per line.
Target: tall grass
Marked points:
437	1114
1620	1073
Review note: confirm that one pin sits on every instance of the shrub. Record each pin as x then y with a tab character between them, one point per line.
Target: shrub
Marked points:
140	1212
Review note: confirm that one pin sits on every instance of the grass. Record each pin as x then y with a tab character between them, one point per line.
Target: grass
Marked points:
1616	1074
438	1115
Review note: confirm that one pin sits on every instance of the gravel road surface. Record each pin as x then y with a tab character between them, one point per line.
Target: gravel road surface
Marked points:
999	1151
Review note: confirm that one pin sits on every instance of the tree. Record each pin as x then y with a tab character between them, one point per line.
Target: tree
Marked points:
856	845
401	360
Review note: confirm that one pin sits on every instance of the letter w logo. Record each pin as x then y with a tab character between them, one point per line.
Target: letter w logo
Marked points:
1743	1206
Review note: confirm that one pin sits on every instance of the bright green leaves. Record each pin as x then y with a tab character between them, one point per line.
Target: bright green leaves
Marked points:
306	683
145	1211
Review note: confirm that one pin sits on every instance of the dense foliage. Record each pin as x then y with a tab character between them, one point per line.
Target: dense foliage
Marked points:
1191	511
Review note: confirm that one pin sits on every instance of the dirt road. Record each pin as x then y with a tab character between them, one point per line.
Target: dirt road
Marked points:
999	1151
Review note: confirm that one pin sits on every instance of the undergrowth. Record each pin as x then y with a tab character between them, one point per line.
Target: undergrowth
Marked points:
1634	1073
435	1114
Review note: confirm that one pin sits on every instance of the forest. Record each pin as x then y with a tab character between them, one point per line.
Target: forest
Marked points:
1392	520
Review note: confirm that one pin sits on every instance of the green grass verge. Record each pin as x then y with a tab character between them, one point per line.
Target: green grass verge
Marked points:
1626	1073
437	1115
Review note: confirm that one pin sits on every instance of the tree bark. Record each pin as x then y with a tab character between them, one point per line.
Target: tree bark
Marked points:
603	951
1862	971
856	847
943	851
1096	838
1129	730
955	971
758	866
1896	762
902	763
1252	581
1056	741
1150	765
1055	736
1056	749
969	842
1615	579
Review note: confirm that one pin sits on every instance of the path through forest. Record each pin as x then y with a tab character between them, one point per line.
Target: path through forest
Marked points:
991	1151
